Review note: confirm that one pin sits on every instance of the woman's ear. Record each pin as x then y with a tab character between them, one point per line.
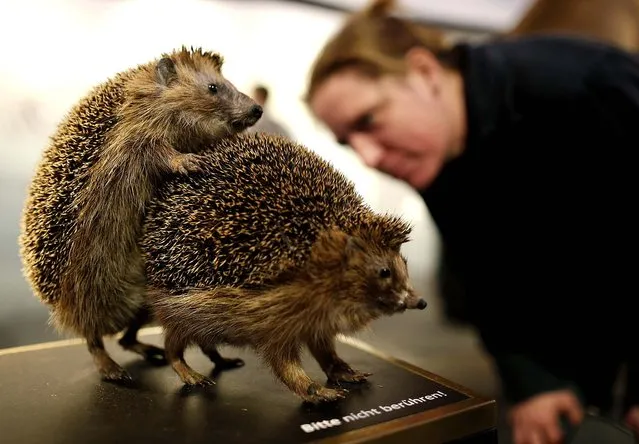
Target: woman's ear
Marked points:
422	63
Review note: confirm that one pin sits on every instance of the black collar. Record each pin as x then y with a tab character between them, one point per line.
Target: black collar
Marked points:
488	90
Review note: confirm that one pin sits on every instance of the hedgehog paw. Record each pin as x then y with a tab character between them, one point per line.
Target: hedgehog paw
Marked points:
186	163
149	352
348	375
340	371
317	394
194	378
114	373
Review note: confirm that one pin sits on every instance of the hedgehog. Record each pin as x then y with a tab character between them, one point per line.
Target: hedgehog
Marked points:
82	217
270	247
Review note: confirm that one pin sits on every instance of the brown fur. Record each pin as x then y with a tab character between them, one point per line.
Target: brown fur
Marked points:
291	258
82	218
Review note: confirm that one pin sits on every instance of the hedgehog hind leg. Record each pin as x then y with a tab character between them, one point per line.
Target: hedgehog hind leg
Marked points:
129	341
175	345
108	368
221	363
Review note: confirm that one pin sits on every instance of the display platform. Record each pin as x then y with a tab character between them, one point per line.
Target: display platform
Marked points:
51	393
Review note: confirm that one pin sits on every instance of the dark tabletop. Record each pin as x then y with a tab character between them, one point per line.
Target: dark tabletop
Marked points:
53	394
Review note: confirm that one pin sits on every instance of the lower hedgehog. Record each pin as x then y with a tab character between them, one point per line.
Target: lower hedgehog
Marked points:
270	247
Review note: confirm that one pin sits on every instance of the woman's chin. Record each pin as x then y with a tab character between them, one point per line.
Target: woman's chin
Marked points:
422	178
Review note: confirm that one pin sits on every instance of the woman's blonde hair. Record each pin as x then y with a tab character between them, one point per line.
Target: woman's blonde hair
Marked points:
374	42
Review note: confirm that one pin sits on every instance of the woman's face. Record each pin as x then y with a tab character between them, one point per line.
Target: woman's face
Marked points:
398	125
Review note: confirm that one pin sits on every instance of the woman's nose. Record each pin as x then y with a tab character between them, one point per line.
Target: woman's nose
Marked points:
367	149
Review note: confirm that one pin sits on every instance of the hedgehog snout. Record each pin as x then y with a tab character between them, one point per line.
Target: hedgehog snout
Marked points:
253	115
256	112
411	300
248	119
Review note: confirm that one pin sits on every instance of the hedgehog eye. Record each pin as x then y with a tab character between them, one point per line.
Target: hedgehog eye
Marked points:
212	88
384	273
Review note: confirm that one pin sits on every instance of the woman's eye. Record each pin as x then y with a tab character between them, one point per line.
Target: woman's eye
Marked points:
364	122
213	88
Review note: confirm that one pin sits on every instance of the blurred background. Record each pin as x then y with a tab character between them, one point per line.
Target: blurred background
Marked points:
53	51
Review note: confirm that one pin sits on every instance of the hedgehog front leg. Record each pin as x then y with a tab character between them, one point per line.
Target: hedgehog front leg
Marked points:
129	340
336	369
175	345
287	366
108	368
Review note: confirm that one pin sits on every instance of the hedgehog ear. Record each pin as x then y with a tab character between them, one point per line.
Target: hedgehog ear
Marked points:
166	71
395	246
354	245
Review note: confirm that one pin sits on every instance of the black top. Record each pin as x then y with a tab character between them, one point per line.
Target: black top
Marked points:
537	215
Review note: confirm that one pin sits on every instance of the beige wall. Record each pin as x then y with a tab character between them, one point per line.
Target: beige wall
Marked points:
616	21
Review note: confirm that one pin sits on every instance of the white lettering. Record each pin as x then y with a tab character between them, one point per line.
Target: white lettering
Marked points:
364	414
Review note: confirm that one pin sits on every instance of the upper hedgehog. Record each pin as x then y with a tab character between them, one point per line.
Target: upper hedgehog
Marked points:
82	217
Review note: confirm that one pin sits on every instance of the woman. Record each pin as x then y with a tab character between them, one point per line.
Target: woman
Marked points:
521	149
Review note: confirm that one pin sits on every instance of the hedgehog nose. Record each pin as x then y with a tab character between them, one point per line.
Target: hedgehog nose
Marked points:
421	304
256	111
